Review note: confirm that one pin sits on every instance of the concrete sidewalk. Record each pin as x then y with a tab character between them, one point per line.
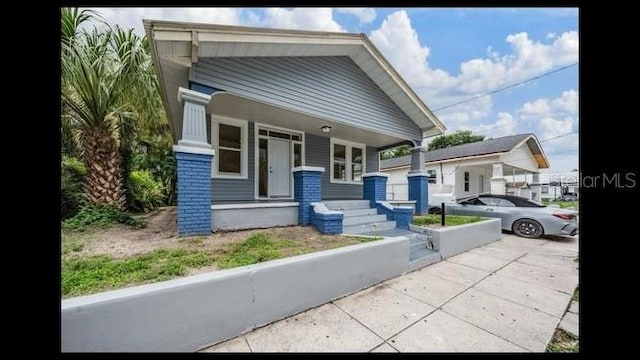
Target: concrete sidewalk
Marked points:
508	296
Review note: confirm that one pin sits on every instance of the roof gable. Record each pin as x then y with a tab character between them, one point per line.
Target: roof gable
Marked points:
329	87
183	44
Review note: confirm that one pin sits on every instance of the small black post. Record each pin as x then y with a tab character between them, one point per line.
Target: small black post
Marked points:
442	214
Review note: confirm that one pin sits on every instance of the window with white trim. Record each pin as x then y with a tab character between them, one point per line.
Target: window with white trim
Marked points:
431	176
229	139
348	161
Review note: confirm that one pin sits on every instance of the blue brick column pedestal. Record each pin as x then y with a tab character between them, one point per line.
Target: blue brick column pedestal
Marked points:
402	215
194	190
374	187
307	189
419	191
328	223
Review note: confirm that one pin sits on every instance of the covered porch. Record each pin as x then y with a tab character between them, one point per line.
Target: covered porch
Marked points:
268	121
496	178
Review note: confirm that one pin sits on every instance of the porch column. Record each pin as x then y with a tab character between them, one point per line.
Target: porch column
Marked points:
374	187
498	182
535	187
193	157
418	181
307	189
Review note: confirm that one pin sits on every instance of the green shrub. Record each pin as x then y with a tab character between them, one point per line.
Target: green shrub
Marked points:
156	155
100	216
71	180
145	193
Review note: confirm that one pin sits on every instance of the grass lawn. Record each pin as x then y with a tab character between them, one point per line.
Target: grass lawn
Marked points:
562	204
449	220
563	341
99	259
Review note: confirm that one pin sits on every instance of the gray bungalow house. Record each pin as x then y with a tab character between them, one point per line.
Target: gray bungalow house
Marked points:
281	127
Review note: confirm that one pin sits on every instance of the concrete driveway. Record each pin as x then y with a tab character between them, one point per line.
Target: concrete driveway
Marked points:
508	296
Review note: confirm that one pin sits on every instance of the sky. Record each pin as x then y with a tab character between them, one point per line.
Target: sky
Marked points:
526	58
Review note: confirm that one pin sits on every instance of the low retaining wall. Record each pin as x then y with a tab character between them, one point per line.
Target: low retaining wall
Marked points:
251	216
453	240
190	313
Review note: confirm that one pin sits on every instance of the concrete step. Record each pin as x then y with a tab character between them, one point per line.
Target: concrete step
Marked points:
424	260
356	220
340	205
369	228
359	212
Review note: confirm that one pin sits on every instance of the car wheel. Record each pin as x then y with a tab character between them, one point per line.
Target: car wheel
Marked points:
434	210
527	228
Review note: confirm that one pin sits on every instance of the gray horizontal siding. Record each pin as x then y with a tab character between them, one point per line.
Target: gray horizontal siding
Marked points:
317	153
234	190
332	87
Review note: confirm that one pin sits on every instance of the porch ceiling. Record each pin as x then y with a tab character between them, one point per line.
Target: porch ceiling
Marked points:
227	104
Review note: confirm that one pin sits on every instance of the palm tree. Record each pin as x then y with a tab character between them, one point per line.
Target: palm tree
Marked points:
94	87
110	99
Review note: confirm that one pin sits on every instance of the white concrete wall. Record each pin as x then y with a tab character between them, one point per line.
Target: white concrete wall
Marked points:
452	175
474	181
253	218
397	184
190	313
453	240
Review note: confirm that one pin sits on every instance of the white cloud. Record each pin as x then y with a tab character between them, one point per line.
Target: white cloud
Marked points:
552	120
529	58
398	41
364	15
461	115
503	126
301	18
566	104
552	127
551	36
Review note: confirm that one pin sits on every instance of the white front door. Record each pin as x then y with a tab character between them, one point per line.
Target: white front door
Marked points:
279	168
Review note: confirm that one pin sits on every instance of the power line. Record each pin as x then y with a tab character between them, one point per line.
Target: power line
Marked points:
506	87
559	136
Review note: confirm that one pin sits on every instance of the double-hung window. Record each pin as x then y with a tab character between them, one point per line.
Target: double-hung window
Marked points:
229	139
348	161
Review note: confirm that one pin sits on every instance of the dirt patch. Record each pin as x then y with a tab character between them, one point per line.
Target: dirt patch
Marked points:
161	233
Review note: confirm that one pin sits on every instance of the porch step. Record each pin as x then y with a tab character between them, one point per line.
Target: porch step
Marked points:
363	219
341	205
359	212
372	227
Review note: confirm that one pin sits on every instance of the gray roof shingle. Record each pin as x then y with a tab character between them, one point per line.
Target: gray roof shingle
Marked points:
491	146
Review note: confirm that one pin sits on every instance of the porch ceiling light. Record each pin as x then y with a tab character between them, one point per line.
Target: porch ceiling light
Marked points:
326	128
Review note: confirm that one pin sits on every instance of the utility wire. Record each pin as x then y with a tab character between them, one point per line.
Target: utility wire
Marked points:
559	136
506	87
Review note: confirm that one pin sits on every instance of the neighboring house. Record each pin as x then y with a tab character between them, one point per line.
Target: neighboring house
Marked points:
471	169
267	122
553	185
